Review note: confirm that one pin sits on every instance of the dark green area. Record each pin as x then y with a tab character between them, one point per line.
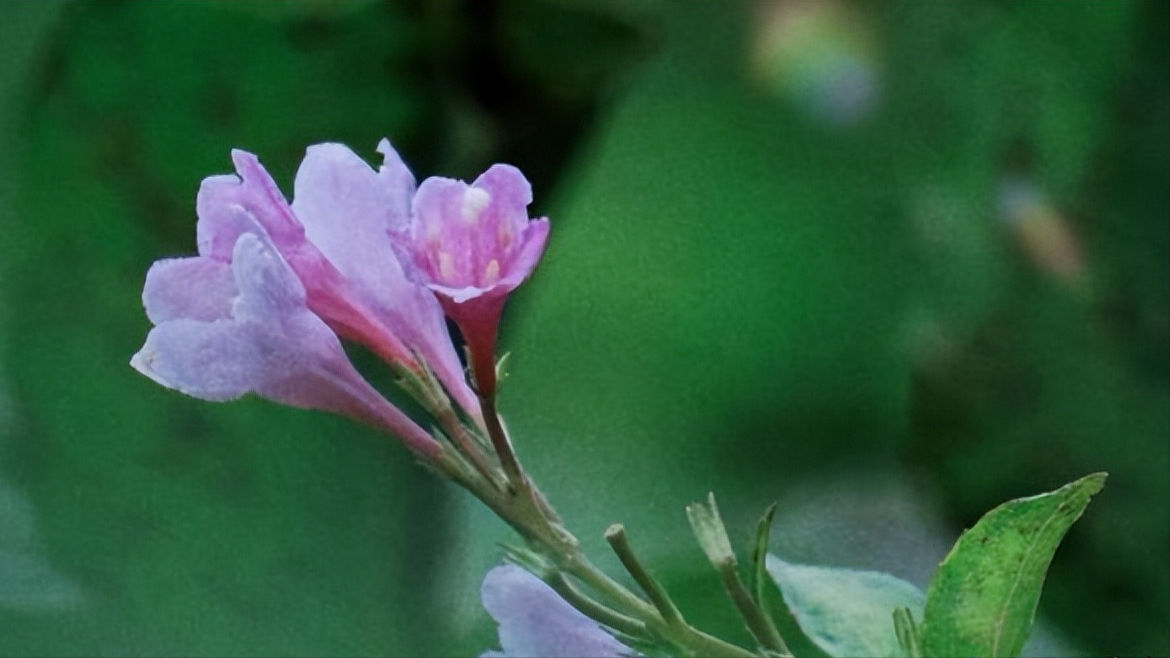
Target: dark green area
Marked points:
740	296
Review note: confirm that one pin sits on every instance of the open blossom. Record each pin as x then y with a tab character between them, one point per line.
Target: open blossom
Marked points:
261	308
473	245
535	621
336	238
225	329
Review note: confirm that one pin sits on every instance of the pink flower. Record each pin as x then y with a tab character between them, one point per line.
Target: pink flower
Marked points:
336	238
228	328
473	245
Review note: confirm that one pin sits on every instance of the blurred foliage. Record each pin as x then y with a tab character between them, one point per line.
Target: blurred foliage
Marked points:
741	294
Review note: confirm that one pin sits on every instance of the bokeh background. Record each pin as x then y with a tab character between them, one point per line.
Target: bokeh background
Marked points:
888	263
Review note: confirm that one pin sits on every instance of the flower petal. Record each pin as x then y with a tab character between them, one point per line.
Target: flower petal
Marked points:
535	621
472	245
347	210
476	237
533	239
350	213
207	360
336	238
196	288
510	195
230	205
272	345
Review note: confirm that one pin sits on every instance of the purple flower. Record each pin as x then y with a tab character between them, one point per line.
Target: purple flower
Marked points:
473	245
336	238
535	621
228	328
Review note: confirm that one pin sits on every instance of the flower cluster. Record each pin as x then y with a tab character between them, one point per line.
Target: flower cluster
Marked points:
358	255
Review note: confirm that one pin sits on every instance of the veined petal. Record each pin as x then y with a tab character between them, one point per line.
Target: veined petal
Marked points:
196	288
532	241
466	237
395	176
230	205
350	212
271	345
222	217
348	209
510	194
207	360
535	621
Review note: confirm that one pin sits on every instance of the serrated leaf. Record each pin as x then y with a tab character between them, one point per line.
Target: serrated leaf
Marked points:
983	598
845	612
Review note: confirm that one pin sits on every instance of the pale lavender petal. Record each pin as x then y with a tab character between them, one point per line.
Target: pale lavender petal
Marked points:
223	217
348	209
272	345
510	193
196	288
443	250
260	195
533	240
270	336
349	212
535	621
269	289
229	206
208	360
395	176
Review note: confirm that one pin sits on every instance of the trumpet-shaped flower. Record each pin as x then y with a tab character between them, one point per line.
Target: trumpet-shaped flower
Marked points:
535	621
336	238
472	245
227	328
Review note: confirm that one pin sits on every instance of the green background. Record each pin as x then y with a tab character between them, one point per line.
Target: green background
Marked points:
740	295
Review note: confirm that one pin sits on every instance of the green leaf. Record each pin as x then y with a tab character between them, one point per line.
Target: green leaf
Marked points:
983	598
908	631
845	612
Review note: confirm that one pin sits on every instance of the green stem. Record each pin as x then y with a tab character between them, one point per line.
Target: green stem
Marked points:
525	508
469	447
595	610
425	388
616	536
759	623
676	629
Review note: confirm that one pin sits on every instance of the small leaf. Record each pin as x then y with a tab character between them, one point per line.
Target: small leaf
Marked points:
909	632
760	551
983	598
845	612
